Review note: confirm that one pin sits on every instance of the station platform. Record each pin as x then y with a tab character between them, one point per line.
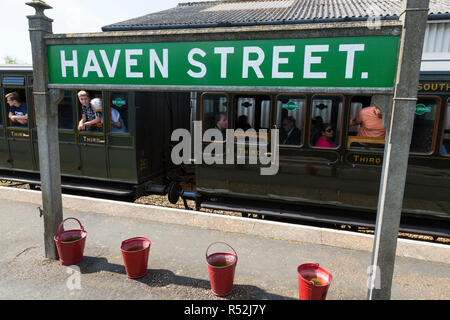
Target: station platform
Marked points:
268	255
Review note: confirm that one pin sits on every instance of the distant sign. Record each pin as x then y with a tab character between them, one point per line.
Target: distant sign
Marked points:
353	62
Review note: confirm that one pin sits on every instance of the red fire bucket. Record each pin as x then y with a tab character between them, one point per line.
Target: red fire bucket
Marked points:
70	244
135	253
221	267
313	281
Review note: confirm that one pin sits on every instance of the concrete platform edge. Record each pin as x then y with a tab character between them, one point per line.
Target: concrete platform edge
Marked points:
276	230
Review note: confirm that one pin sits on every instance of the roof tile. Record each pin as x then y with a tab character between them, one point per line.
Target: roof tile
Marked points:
242	12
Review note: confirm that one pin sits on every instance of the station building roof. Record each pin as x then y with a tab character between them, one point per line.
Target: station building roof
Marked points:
272	12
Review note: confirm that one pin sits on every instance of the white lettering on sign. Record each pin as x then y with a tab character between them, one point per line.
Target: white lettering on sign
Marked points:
285	60
129	62
92	65
69	63
276	61
196	63
162	66
309	60
110	68
254	64
351	49
223	51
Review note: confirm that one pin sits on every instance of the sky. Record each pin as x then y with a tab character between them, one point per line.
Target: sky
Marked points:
69	16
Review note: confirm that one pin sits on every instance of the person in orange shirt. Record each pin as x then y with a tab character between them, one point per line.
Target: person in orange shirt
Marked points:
371	123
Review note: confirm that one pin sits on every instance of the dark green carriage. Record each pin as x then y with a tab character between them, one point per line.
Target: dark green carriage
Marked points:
125	163
343	177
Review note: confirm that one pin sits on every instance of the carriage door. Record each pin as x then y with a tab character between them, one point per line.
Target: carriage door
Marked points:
4	148
92	144
120	143
18	133
251	114
67	128
363	160
214	115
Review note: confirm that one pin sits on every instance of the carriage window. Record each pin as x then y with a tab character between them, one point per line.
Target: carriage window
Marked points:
65	111
445	147
326	115
424	125
119	113
16	107
215	112
253	112
1	114
291	119
366	125
91	114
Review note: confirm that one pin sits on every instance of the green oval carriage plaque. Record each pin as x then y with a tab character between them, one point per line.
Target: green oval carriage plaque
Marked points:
291	106
421	109
118	102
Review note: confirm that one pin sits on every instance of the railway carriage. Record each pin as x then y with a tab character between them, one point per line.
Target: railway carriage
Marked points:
315	183
128	163
171	69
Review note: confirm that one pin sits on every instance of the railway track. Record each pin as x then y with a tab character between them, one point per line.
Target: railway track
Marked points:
158	200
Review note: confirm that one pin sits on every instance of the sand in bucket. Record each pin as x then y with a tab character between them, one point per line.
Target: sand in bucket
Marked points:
313	281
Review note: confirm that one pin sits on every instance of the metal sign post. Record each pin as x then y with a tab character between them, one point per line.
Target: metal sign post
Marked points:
398	139
47	126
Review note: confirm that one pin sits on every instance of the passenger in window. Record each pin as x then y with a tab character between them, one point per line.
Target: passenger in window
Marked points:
327	136
117	124
444	150
370	120
221	123
89	118
243	123
17	110
293	134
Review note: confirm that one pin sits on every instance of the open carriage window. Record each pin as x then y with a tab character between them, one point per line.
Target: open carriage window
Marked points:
424	125
366	129
16	107
291	119
90	111
65	111
118	117
445	146
215	112
326	121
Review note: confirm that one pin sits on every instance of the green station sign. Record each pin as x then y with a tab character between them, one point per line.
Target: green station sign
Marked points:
352	62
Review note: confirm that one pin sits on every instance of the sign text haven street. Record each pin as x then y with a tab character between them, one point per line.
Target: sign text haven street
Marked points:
357	62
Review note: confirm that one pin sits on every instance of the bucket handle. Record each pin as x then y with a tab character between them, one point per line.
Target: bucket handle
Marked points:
222	243
62	223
